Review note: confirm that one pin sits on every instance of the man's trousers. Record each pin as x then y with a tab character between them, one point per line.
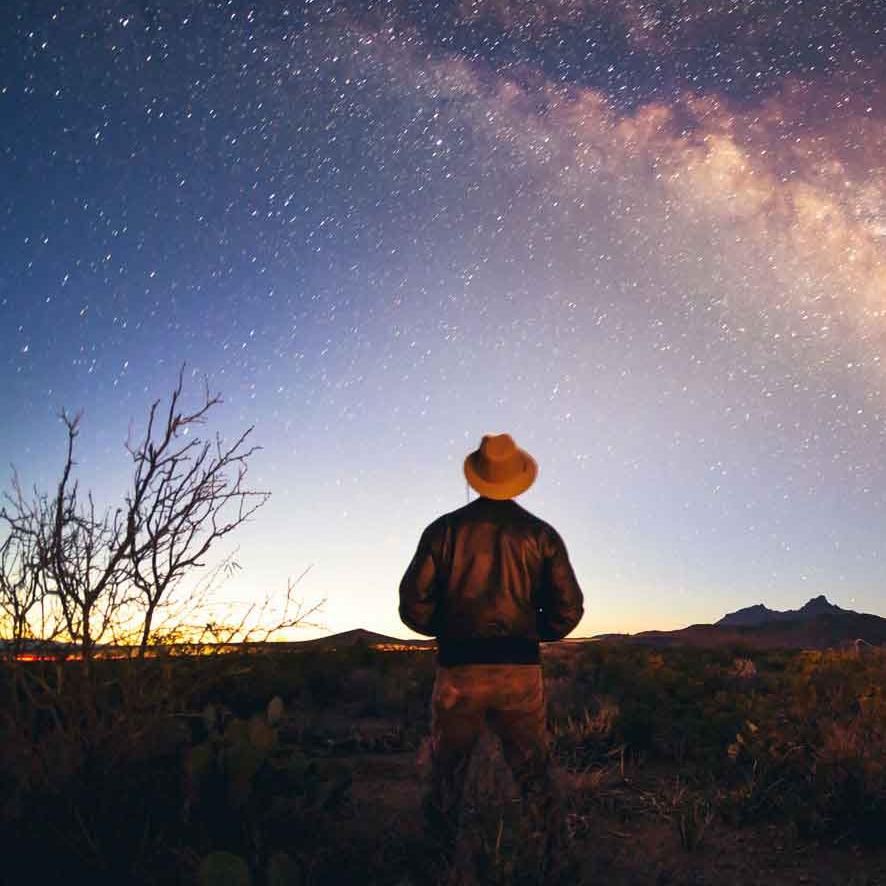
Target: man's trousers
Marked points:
509	698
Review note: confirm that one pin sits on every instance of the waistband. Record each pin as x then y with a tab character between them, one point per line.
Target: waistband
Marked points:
487	650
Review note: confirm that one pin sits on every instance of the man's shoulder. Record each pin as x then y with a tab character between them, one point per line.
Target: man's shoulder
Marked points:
438	524
543	530
528	515
483	508
451	519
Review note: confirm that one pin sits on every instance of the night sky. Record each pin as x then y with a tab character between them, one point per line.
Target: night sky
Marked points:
646	239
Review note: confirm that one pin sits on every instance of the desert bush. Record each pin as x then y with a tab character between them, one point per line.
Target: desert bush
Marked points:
679	705
142	783
247	793
813	751
164	762
91	764
792	736
586	740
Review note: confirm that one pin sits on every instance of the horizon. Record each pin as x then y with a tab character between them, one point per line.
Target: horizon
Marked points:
577	636
300	635
32	642
651	247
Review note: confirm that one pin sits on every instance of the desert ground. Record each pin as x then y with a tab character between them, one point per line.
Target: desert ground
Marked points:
678	766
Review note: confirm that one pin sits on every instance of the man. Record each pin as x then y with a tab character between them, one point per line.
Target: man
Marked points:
489	581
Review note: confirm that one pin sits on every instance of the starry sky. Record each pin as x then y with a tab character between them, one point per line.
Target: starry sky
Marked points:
648	239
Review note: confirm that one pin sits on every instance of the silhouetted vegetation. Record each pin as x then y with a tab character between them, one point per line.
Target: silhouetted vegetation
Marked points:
74	573
271	768
796	736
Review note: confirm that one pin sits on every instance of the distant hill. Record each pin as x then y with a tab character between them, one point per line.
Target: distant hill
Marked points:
818	624
356	637
760	614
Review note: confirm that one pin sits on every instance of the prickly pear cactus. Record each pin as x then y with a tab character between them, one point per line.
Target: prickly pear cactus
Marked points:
234	752
249	794
262	735
275	710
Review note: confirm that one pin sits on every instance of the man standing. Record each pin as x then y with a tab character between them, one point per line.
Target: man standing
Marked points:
489	581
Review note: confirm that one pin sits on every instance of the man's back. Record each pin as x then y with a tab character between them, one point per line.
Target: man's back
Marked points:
490	580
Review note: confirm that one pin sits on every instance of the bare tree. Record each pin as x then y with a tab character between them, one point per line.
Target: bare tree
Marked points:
67	568
19	589
26	613
257	621
65	556
186	495
200	622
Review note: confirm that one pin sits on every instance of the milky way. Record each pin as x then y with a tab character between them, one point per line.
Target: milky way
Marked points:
648	240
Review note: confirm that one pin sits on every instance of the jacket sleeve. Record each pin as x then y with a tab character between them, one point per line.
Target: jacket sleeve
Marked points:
418	588
561	600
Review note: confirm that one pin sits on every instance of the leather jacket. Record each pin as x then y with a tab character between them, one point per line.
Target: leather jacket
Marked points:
489	581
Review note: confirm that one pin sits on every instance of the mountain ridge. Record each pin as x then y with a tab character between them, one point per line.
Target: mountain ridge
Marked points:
818	624
762	614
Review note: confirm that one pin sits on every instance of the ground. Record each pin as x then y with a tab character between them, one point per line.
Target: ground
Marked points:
625	830
679	766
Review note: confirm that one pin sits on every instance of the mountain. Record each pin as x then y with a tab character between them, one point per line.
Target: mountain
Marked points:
356	637
760	614
818	624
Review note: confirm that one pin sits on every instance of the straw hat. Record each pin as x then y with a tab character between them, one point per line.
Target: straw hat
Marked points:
499	469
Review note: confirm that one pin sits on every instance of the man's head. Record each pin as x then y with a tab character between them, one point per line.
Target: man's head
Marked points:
499	469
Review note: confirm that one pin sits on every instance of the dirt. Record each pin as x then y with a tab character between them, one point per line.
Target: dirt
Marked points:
624	829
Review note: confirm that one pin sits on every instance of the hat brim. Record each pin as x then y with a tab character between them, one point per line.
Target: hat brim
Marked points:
509	488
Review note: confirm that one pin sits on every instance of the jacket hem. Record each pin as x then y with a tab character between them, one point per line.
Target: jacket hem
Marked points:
487	650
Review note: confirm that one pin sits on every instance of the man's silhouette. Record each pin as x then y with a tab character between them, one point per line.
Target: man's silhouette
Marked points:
489	581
